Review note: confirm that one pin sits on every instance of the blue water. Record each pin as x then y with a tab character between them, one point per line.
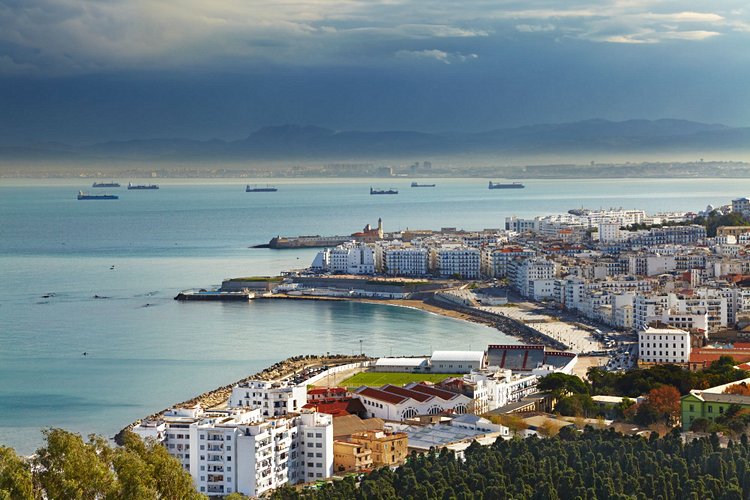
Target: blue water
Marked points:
146	351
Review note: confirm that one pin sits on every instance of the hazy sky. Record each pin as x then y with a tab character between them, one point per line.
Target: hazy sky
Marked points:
83	71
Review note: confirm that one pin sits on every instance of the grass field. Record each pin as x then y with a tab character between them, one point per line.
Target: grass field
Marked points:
376	379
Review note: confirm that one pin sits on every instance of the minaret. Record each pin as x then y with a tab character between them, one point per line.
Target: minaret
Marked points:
380	228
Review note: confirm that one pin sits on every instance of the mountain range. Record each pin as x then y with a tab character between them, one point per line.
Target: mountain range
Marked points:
306	142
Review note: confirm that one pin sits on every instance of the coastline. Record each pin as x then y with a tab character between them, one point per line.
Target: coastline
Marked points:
508	326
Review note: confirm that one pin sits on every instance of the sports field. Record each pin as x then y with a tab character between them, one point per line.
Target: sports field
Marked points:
376	379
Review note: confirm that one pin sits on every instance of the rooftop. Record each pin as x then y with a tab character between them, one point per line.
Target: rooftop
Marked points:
457	356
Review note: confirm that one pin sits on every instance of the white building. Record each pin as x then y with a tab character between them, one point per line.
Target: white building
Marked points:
457	361
240	451
663	345
348	258
524	272
272	398
464	262
403	260
392	402
495	261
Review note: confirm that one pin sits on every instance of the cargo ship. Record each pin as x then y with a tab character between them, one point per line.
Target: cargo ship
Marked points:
383	191
500	185
418	185
142	186
111	184
256	189
86	196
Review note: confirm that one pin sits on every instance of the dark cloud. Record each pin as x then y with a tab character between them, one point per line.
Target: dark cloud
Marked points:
81	71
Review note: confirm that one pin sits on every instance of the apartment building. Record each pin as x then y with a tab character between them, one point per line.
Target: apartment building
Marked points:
663	345
272	398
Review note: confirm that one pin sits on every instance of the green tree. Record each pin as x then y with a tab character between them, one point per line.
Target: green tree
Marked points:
72	469
15	477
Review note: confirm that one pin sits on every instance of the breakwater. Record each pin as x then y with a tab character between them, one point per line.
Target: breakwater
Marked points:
507	325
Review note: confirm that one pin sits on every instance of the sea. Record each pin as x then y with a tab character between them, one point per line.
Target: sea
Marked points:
99	277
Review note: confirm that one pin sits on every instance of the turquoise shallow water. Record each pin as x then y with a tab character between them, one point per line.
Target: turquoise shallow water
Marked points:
147	351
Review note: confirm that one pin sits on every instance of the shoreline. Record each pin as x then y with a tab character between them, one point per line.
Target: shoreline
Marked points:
296	364
432	305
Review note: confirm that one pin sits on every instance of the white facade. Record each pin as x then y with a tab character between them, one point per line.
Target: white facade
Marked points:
456	361
495	261
663	345
404	260
239	451
401	403
524	272
272	398
349	258
458	261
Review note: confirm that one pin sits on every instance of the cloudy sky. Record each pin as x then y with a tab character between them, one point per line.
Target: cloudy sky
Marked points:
84	71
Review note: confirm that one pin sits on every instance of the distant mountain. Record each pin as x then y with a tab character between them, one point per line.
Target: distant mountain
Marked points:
312	142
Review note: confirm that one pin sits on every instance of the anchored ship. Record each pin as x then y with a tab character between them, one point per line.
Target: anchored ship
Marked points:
256	189
86	196
418	185
500	185
142	186
111	184
383	191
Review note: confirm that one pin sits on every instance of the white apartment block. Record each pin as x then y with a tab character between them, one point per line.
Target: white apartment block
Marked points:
239	451
403	260
349	258
273	399
495	261
524	272
742	206
663	345
457	261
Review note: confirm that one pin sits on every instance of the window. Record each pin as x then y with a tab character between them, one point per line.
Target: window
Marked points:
318	445
710	409
229	448
203	467
319	455
721	409
318	435
310	464
203	436
310	454
692	407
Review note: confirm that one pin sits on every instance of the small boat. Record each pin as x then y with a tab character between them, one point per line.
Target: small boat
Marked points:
500	185
383	191
256	189
86	196
142	186
111	184
418	185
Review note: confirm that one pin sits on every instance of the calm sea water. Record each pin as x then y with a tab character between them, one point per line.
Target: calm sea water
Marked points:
146	351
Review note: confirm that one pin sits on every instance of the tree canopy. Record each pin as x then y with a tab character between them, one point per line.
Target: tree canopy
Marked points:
70	468
587	465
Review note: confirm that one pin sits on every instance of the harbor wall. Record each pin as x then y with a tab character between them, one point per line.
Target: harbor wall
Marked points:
337	369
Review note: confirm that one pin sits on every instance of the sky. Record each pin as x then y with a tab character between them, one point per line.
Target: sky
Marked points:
86	71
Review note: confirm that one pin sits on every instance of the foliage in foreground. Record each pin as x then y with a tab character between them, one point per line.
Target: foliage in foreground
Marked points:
637	382
594	464
70	468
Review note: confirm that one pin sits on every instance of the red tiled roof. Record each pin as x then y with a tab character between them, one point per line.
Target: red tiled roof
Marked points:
742	345
401	391
388	397
440	393
709	356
